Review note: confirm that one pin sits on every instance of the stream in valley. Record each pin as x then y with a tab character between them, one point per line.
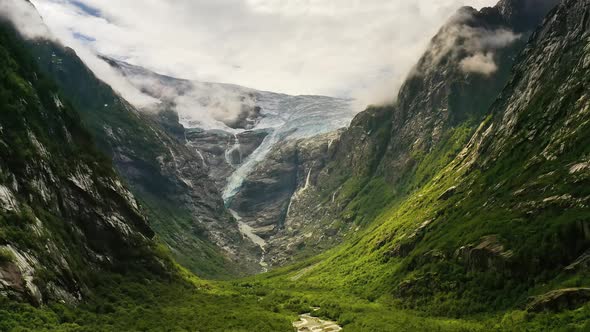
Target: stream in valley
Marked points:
308	323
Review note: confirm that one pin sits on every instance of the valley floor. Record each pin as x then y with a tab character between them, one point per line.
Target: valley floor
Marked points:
268	302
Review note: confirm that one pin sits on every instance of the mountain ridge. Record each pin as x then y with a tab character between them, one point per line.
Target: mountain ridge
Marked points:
142	150
463	206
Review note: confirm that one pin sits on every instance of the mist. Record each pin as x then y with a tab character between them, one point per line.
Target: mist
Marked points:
25	18
473	48
342	48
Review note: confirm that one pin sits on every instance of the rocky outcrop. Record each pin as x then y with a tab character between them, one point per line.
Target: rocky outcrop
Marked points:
223	152
560	300
264	197
488	255
582	263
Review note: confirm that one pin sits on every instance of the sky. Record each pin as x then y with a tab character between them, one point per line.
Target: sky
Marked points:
361	49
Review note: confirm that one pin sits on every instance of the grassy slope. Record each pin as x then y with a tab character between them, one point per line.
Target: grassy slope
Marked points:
521	190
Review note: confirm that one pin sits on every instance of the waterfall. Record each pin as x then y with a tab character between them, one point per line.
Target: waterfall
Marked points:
229	152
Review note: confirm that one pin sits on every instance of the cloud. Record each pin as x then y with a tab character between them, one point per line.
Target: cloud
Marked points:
25	18
331	47
472	47
112	77
31	25
214	105
479	63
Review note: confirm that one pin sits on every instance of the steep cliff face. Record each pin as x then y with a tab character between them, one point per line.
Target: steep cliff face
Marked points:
265	199
63	211
389	152
171	181
223	152
259	164
507	218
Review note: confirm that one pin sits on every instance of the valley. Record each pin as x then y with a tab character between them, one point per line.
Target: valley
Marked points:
463	205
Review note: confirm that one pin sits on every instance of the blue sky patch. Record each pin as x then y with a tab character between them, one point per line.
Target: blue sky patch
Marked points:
85	8
84	38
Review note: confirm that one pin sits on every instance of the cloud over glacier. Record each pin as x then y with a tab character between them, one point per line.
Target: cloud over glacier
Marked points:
362	49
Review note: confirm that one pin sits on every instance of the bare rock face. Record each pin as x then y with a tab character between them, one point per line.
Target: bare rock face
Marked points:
560	300
63	210
489	254
150	151
222	152
266	197
247	118
525	13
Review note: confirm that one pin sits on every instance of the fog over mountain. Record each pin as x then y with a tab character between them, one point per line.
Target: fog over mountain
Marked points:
360	49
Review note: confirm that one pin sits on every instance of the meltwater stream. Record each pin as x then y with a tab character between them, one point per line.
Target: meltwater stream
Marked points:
248	232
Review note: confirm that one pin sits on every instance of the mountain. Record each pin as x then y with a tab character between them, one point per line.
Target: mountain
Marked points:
462	206
389	152
64	211
76	251
499	231
236	132
184	206
259	120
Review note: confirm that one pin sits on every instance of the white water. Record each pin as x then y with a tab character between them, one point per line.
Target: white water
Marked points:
307	323
248	232
231	150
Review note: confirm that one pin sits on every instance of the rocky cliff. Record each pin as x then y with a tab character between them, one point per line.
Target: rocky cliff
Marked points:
389	152
170	180
504	224
64	213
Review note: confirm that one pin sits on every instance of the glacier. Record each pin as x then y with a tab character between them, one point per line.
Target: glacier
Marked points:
235	109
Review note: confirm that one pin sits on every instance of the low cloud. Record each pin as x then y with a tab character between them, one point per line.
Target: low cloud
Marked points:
479	63
473	48
109	75
343	48
25	18
31	25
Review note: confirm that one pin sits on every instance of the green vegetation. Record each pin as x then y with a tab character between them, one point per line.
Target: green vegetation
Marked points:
6	256
461	241
133	303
